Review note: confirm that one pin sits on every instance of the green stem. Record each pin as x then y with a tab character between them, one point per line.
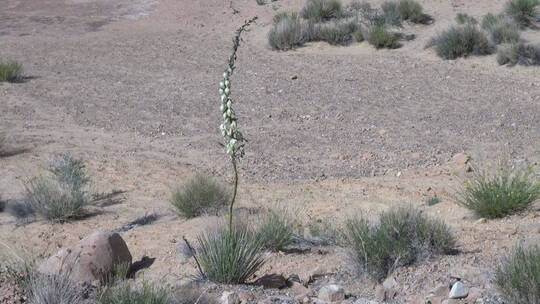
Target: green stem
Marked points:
233	161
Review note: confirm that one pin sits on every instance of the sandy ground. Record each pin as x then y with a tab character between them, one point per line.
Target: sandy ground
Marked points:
131	87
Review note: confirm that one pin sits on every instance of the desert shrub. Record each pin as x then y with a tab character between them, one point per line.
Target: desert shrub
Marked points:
461	41
333	32
380	37
500	29
322	232
464	18
522	11
287	33
68	171
358	35
285	15
495	195
229	256
518	54
322	10
388	15
58	289
401	237
199	195
126	294
275	229
406	10
10	71
518	276
55	201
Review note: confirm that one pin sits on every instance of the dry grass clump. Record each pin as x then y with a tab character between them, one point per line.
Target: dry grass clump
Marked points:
288	32
524	12
464	18
409	10
58	289
498	194
198	196
126	294
275	229
400	238
501	29
461	41
322	10
380	37
518	277
518	54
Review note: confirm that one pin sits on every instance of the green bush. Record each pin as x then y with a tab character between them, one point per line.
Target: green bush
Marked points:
518	54
275	229
502	193
125	294
518	277
523	11
380	37
501	29
199	195
322	10
406	10
464	18
10	71
230	257
400	238
59	289
287	33
461	41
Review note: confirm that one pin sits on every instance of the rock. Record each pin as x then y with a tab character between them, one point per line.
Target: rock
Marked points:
278	300
229	297
90	260
458	291
272	281
332	293
480	221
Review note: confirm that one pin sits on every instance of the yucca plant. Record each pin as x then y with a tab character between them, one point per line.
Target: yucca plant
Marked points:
500	193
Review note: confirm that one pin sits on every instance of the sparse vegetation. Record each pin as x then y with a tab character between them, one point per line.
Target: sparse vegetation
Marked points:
276	229
501	29
230	256
46	289
380	37
322	10
10	71
464	18
518	54
518	277
501	193
406	10
125	294
434	200
401	237
333	32
358	35
288	32
199	195
17	266
522	11
461	41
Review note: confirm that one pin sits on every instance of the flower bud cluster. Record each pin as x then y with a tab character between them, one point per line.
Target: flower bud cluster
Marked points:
233	138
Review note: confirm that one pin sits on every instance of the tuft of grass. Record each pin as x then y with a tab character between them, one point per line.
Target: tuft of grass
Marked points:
10	71
199	195
275	229
125	294
284	15
322	10
380	37
400	238
518	276
17	266
387	15
287	33
522	11
464	18
501	29
461	41
501	193
54	201
59	289
68	171
406	10
229	256
518	54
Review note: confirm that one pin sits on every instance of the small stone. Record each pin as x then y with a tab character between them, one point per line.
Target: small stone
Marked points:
294	77
480	221
332	293
458	291
272	281
229	297
416	155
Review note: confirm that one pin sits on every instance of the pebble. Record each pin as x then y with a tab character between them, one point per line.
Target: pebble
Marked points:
458	291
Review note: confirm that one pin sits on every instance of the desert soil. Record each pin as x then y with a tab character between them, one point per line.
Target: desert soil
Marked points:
131	88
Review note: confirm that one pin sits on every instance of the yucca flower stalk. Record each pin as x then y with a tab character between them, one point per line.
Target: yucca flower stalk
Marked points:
234	141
